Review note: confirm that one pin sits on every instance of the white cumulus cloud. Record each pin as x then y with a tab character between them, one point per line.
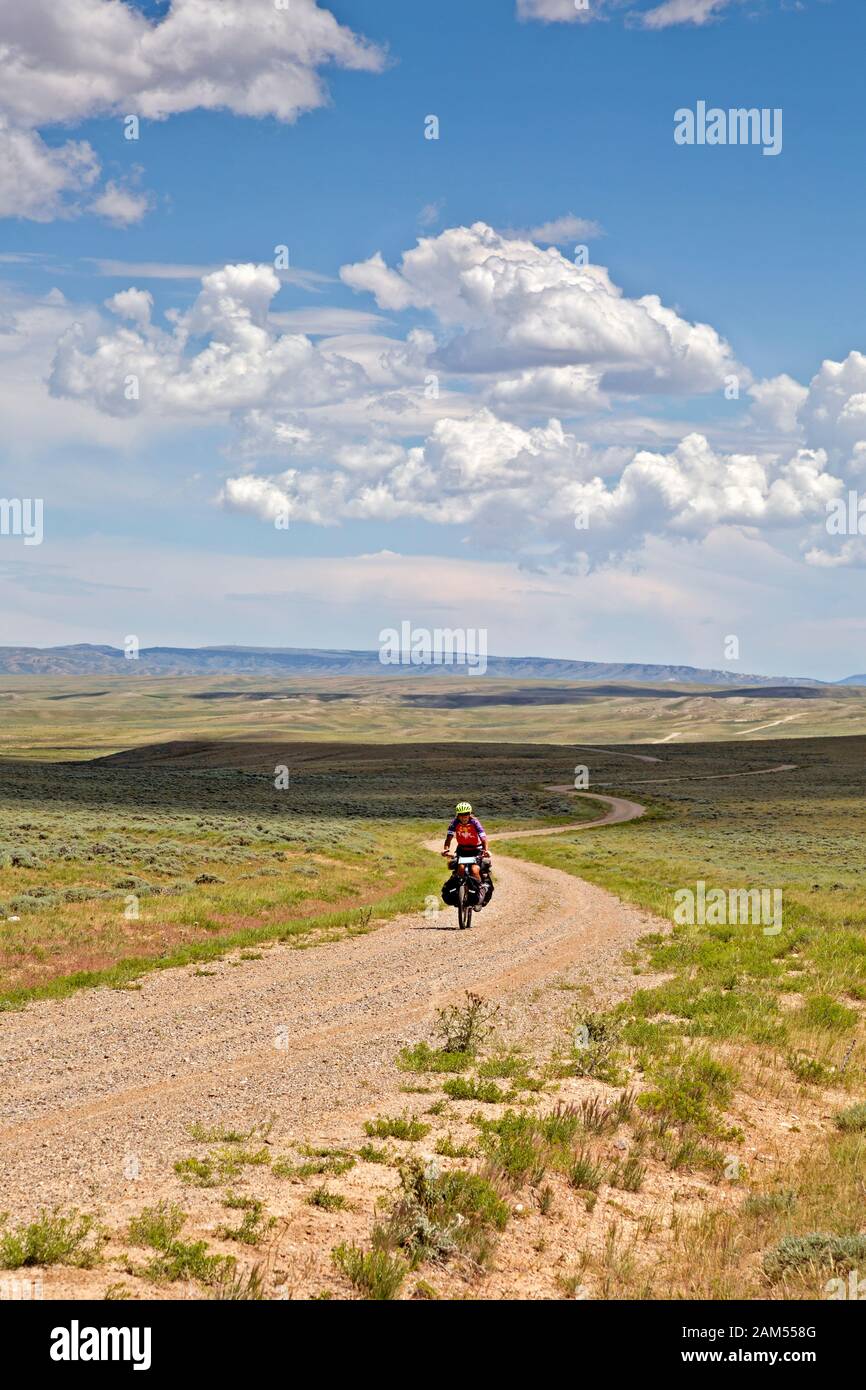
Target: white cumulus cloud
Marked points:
525	491
244	362
834	411
509	305
40	182
64	63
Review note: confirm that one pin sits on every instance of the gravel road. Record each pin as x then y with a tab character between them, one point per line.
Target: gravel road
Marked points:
307	1034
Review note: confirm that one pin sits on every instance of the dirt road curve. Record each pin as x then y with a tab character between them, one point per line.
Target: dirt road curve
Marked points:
308	1034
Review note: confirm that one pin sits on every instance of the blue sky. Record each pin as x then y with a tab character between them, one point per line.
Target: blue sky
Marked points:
160	514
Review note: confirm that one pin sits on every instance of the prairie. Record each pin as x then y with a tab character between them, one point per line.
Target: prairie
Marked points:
706	1140
73	718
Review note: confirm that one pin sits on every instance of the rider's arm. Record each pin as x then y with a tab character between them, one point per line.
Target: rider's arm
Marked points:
482	834
448	834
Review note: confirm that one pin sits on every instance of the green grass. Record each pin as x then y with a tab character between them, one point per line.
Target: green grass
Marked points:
330	1164
691	1093
374	1273
515	1147
560	1126
234	1285
463	1088
222	1165
159	1228
327	1200
424	1058
509	1066
627	1174
371	1153
761	1204
254	1224
585	1173
396	1127
446	1148
52	1239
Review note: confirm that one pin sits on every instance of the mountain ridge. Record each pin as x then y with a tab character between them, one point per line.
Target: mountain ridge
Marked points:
86	658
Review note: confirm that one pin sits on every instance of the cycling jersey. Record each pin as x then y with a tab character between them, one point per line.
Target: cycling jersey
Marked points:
468	832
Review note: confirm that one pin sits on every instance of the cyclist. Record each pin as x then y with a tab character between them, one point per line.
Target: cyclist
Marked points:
469	833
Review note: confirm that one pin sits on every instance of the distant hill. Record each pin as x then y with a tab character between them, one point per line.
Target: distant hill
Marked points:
85	659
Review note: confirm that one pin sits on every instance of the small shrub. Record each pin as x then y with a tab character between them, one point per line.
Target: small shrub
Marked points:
324	1165
448	1149
826	1251
328	1201
629	1175
585	1173
52	1239
691	1093
513	1145
370	1154
808	1069
464	1027
853	1119
560	1125
199	1171
422	1057
158	1226
439	1214
253	1225
768	1203
459	1088
396	1127
598	1117
374	1273
235	1285
505	1068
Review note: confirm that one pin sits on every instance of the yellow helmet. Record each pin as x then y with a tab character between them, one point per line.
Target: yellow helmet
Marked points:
462	808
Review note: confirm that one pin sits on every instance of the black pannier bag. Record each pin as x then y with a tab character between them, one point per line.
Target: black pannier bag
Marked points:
449	891
450	887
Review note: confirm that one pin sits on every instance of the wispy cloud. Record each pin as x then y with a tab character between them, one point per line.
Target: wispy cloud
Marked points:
179	270
559	230
430	213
